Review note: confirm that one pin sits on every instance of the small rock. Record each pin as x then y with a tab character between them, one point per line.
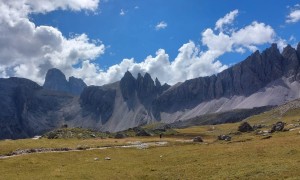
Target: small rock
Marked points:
197	139
107	158
96	159
259	132
37	137
161	156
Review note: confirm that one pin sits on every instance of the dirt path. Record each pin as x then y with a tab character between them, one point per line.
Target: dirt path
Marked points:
136	144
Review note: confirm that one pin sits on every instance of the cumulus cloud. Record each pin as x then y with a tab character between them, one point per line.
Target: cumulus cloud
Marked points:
29	51
161	25
189	63
294	15
226	20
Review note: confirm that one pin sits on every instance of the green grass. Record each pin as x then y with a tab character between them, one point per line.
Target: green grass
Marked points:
247	156
278	157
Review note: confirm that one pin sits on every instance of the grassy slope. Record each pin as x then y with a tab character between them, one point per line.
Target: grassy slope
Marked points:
247	156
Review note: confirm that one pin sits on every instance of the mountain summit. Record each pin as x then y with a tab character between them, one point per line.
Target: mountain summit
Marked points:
56	80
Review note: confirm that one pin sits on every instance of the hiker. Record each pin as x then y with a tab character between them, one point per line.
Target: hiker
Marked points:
160	136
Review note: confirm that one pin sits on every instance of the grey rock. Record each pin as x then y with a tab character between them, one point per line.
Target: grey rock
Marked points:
224	137
244	78
76	85
143	133
56	80
245	127
27	109
98	101
197	139
298	50
120	136
279	126
128	86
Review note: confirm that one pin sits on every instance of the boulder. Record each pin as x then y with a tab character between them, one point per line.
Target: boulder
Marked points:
245	127
142	133
197	139
120	136
279	126
224	138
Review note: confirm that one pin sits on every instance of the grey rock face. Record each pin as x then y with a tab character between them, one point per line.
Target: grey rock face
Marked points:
27	109
76	85
56	80
244	78
298	50
144	87
128	86
98	101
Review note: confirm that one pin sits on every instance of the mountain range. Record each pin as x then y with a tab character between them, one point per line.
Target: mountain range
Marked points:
267	78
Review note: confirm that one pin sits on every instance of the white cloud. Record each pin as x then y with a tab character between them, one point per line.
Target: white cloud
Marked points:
29	51
294	15
189	63
161	25
136	7
122	12
254	34
226	20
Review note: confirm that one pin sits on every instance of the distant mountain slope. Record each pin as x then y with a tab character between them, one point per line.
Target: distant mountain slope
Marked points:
27	109
263	79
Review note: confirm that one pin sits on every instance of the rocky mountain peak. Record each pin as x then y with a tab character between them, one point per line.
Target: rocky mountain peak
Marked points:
56	80
298	50
291	62
76	85
288	50
127	85
157	83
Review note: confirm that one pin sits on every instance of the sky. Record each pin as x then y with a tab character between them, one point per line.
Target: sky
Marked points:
173	40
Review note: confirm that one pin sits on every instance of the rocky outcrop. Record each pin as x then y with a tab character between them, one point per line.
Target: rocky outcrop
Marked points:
56	80
245	127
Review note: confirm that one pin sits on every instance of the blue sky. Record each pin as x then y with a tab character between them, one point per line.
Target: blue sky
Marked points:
134	34
127	29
